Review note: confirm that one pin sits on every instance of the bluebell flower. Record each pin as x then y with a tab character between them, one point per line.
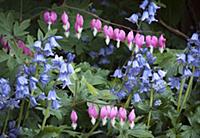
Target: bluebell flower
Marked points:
146	74
136	98
134	18
162	73
187	72
144	4
70	57
121	94
39	58
155	77
109	50
174	82
159	86
22	89
55	104
197	73
190	59
145	16
118	73
141	60
29	70
181	58
104	61
33	101
33	82
53	42
47	68
37	45
152	11
48	50
44	79
157	102
57	62
93	54
65	78
150	58
151	19
195	37
13	130
52	95
102	52
145	87
4	87
42	96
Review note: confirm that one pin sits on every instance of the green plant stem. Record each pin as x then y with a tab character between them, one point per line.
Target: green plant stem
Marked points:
27	110
180	94
6	122
20	114
151	105
128	100
188	89
92	130
46	115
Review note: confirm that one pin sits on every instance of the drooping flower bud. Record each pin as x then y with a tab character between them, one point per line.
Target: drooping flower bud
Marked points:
92	111
113	115
104	115
74	119
25	49
122	115
130	39
108	32
151	42
161	42
95	24
119	35
139	41
50	18
66	24
79	25
131	118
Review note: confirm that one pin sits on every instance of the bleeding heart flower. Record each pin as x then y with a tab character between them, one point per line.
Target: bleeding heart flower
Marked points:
122	115
130	38
161	42
95	24
131	118
92	111
104	115
108	32
50	18
119	35
66	24
79	25
74	119
139	41
113	115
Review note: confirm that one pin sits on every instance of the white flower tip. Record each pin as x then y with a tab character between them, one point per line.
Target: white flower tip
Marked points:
95	32
118	43
66	34
107	40
78	35
104	121
130	46
151	49
93	120
122	123
74	125
161	50
136	49
113	122
132	124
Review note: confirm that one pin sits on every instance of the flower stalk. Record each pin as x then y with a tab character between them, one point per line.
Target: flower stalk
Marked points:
151	105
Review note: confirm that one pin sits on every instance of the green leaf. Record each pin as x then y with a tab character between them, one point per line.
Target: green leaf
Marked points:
91	89
40	35
3	56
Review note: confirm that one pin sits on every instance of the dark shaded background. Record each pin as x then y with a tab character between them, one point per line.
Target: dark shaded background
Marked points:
183	15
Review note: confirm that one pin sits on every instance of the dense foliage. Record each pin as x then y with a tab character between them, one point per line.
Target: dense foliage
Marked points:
67	72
